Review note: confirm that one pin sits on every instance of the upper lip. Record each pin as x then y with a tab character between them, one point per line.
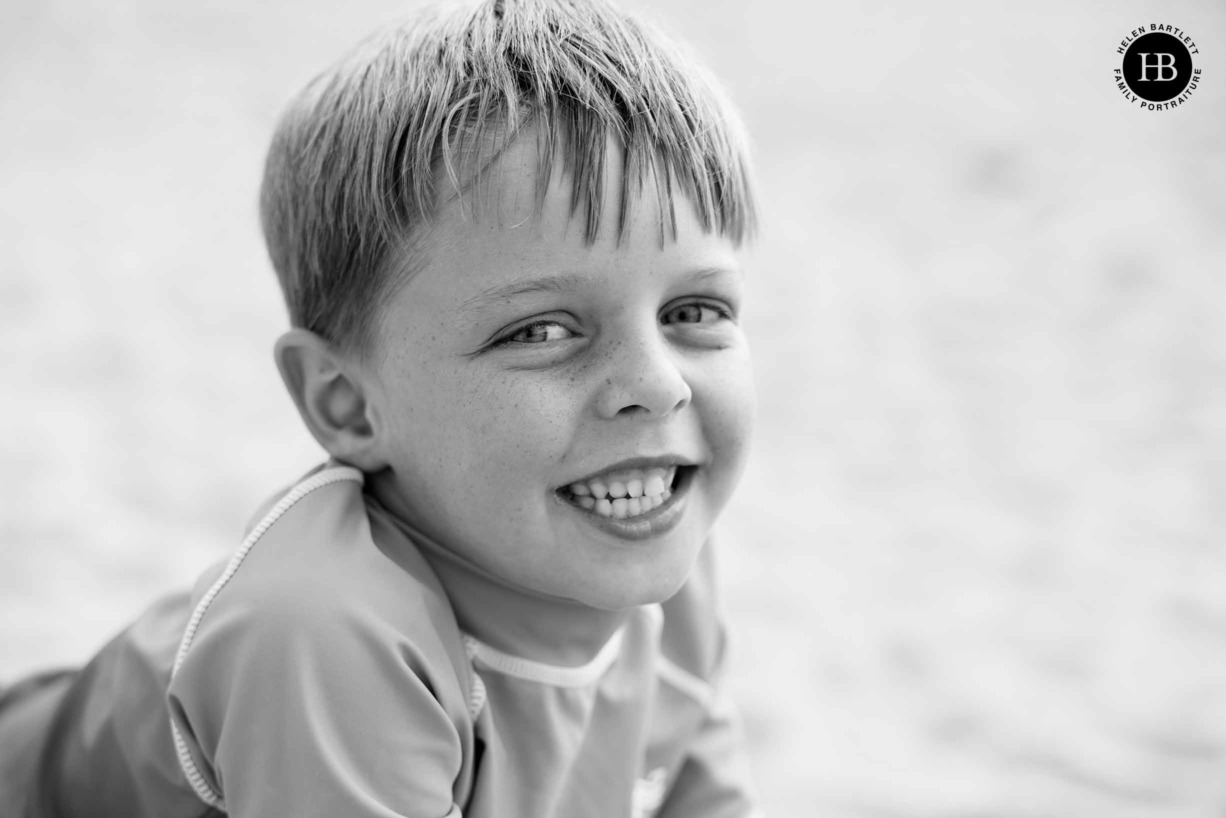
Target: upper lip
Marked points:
640	463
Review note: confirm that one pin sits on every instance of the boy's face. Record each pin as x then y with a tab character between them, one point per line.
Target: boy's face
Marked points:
520	374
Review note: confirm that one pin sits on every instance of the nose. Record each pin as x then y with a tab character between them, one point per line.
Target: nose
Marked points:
642	376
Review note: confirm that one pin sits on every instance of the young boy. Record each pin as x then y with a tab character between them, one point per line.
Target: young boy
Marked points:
508	237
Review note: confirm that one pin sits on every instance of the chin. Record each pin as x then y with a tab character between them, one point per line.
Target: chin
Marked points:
632	591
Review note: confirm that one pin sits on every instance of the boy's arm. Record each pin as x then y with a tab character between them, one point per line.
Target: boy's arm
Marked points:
304	711
714	780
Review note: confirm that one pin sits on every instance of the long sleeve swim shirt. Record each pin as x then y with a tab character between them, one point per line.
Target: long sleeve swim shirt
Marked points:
341	664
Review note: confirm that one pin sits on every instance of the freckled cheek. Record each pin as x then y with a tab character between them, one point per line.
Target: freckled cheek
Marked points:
512	428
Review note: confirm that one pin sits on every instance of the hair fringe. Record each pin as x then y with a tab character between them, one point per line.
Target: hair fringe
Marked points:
358	160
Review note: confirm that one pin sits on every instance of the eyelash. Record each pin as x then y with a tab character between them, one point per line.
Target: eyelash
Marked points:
509	338
722	313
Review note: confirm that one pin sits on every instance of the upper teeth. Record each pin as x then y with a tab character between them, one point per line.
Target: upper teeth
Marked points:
626	493
630	483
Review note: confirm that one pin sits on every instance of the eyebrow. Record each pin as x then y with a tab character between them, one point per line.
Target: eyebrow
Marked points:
486	299
562	283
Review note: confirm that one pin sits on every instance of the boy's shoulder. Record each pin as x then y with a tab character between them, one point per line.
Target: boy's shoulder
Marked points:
311	624
693	637
315	565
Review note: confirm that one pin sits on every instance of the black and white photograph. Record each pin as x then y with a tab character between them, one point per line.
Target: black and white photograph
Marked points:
613	409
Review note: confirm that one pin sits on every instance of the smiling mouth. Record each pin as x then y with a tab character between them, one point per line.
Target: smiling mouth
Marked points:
628	494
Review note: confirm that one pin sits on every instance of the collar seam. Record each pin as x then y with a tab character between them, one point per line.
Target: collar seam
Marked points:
553	675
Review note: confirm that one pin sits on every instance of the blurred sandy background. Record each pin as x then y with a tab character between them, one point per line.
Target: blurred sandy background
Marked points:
977	567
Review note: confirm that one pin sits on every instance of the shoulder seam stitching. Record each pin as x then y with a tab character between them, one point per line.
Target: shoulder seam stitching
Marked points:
685	682
324	478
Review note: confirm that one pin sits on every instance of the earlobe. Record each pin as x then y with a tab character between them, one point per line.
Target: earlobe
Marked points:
330	391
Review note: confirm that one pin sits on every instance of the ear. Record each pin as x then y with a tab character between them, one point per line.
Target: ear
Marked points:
332	394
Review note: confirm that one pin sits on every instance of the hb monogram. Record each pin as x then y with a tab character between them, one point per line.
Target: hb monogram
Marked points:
1161	65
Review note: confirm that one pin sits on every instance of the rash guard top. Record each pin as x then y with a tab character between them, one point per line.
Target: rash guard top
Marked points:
342	664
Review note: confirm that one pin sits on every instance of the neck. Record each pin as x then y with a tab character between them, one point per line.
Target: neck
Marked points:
509	617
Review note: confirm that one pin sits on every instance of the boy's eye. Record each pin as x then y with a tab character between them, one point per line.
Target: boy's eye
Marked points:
538	332
694	313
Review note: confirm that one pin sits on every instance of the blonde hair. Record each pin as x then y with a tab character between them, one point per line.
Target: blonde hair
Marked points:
358	158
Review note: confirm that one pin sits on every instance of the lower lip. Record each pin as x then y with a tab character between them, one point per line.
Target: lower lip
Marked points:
660	520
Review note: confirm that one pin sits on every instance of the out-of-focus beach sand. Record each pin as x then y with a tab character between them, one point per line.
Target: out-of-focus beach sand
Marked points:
977	566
